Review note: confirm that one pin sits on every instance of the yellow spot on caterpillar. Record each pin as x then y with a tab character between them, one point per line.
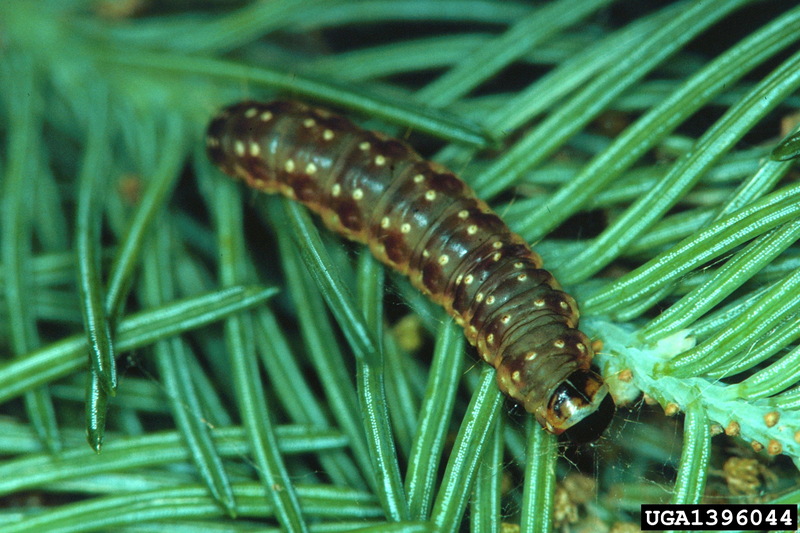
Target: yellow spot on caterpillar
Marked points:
364	146
505	318
518	264
497	256
430	195
497	245
425	253
469	279
538	303
419	178
490	300
358	194
443	260
490	338
238	147
581	347
309	122
473	330
250	113
530	356
336	190
288	191
563	304
266	116
472	229
255	149
503	379
463	214
559	344
516	375
522	277
385	222
479	297
311	169
327	135
380	160
459	279
405	227
289	165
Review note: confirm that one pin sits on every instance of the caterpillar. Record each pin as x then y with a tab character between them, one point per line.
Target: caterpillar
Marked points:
420	219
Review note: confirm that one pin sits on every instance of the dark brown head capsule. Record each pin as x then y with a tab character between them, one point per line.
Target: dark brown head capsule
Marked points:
420	219
581	407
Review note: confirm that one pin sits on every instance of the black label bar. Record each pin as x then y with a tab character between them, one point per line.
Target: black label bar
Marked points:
726	517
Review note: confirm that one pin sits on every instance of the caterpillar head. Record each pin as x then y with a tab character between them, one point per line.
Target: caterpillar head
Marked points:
554	380
581	407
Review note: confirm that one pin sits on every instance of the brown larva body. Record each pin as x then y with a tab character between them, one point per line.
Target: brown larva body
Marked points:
420	219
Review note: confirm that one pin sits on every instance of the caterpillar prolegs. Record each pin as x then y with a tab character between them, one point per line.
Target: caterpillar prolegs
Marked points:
419	218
